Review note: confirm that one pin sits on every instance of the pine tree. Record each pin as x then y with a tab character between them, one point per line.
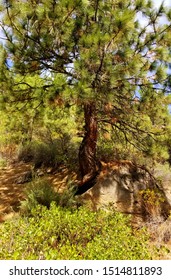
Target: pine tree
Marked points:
109	57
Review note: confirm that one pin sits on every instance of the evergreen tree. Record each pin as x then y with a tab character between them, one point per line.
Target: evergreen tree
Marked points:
109	57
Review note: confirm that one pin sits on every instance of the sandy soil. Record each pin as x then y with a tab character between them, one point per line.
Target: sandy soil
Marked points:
11	192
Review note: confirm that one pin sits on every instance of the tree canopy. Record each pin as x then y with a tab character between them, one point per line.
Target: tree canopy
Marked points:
109	58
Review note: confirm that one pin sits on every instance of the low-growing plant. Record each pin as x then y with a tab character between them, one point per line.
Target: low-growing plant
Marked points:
152	201
3	163
42	192
159	230
50	154
61	233
40	154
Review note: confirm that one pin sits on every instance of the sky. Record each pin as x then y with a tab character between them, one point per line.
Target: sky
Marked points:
158	2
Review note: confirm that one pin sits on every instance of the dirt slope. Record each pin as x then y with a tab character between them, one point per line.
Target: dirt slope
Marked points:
11	192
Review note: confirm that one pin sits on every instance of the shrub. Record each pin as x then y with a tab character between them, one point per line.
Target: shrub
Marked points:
159	230
50	154
152	202
63	233
26	153
3	163
8	151
41	154
41	192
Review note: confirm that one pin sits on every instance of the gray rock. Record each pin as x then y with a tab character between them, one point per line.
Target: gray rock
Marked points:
25	178
119	185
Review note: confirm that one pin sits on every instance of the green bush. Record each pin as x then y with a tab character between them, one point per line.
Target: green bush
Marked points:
49	154
38	192
154	203
41	154
63	233
41	192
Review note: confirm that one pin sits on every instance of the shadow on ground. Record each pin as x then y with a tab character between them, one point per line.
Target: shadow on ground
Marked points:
11	192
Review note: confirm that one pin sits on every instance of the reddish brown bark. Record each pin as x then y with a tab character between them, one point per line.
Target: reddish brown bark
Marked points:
87	151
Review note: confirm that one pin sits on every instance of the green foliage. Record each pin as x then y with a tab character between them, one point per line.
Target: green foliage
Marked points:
38	192
65	53
3	163
41	154
52	153
146	152
56	57
41	192
61	233
153	200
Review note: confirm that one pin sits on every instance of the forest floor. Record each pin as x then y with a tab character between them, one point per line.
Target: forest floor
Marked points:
12	192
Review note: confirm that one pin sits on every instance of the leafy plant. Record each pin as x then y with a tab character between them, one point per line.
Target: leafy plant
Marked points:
152	200
3	163
49	154
97	58
41	192
63	233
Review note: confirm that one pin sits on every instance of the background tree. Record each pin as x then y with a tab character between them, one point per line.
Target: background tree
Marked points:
97	54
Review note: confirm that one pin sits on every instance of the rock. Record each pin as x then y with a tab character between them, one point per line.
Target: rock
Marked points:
25	178
39	172
49	170
119	184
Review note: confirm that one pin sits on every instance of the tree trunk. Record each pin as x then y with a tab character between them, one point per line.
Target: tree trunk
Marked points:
87	151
